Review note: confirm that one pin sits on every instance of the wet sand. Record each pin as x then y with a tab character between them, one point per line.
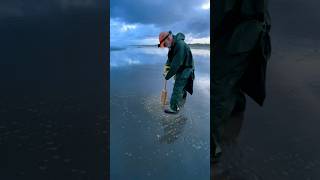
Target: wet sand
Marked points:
281	140
146	143
52	102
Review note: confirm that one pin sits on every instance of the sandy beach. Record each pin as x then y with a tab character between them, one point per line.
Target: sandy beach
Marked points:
53	112
280	140
53	104
146	143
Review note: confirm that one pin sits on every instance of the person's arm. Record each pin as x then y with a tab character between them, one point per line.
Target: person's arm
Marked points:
166	69
166	66
177	61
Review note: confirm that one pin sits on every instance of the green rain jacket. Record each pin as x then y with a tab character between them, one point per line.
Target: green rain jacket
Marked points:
244	25
181	62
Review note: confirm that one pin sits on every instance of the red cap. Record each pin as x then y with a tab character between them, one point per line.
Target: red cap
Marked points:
162	37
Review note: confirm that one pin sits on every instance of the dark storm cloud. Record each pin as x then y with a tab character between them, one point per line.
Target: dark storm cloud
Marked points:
184	16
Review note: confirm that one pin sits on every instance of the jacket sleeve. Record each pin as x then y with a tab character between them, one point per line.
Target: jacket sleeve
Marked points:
177	61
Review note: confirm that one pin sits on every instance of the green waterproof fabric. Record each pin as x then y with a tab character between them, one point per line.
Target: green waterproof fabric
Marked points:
241	50
181	66
179	59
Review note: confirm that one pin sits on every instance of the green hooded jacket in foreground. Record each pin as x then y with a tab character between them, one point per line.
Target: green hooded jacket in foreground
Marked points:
241	50
181	65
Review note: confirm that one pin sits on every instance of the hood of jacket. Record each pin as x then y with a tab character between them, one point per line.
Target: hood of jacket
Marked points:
179	36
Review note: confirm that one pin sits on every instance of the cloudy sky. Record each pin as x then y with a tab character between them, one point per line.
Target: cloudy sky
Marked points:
140	21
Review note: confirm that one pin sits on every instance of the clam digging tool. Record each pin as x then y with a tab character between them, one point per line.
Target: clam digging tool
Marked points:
164	94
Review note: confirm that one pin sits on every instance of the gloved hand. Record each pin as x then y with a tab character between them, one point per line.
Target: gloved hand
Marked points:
166	69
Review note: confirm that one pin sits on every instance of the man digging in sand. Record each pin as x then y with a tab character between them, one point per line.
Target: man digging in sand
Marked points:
180	65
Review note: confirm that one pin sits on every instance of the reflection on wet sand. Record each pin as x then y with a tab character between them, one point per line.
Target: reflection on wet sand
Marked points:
172	127
142	134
